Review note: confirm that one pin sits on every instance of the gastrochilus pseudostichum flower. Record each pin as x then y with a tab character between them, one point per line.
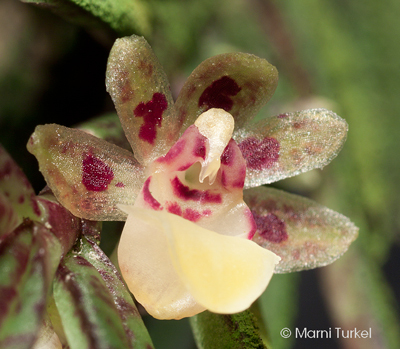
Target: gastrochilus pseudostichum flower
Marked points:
201	232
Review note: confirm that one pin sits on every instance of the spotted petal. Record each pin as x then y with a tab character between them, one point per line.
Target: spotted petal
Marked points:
303	233
289	144
239	83
88	175
142	97
176	268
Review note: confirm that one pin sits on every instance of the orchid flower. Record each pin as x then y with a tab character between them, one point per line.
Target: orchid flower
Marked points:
193	240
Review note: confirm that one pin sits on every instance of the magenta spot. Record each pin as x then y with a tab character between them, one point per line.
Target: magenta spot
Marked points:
191	215
200	147
21	199
7	194
260	154
174	152
299	124
252	222
173	207
185	167
219	93
69	146
224	182
6	170
120	185
185	193
271	227
227	157
282	116
96	175
35	205
126	92
239	183
151	112
206	213
154	204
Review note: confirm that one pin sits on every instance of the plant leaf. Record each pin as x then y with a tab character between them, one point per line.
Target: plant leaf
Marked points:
17	198
239	83
88	175
132	322
289	144
303	233
141	94
28	258
123	16
88	313
237	331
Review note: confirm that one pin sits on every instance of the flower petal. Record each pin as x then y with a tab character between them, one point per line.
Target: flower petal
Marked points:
141	94
303	233
239	83
225	274
88	175
147	268
288	144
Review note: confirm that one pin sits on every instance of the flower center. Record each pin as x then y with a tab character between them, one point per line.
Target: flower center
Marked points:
217	126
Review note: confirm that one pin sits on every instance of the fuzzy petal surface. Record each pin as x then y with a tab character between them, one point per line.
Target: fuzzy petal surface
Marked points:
239	83
88	175
141	94
303	233
288	144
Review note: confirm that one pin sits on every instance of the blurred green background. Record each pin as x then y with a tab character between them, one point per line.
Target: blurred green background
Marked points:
342	55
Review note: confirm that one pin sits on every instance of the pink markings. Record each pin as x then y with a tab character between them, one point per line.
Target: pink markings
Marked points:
151	112
282	116
35	205
96	175
120	185
185	193
189	213
68	146
200	147
233	166
252	222
21	199
126	93
228	156
260	154
173	207
219	93
174	152
185	167
6	170
271	227
206	213
148	198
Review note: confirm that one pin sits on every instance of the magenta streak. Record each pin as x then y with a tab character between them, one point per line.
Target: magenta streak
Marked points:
148	198
185	193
